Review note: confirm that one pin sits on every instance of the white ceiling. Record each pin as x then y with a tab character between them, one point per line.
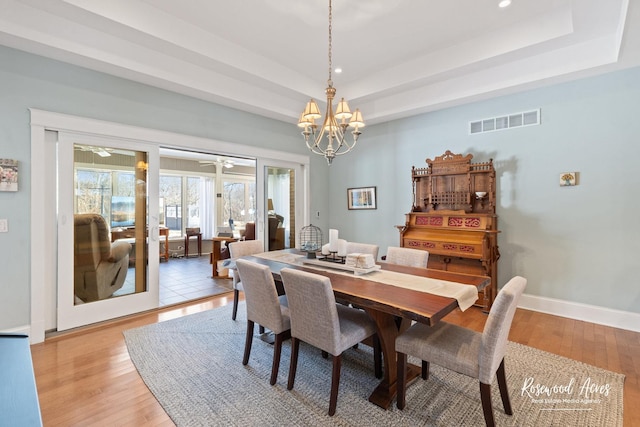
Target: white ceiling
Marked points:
400	57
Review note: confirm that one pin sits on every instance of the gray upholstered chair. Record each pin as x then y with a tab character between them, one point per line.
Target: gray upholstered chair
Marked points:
265	308
477	355
317	320
363	248
407	256
100	267
237	250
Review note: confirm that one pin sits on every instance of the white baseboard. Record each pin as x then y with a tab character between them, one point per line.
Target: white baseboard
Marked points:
588	313
19	330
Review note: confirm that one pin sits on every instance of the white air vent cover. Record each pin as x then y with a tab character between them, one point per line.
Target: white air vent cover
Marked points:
527	118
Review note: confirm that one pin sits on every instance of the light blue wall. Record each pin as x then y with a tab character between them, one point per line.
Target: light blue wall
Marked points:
579	244
28	81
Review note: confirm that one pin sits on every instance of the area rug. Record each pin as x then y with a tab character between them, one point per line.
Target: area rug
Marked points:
193	366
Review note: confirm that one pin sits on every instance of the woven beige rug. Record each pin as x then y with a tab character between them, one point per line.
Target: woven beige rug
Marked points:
193	365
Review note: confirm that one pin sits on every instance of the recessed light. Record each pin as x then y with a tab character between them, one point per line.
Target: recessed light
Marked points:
504	3
338	70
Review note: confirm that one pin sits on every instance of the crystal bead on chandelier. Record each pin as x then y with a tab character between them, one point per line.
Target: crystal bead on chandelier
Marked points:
335	124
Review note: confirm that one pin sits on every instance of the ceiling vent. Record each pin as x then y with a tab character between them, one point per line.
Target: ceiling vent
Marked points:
527	118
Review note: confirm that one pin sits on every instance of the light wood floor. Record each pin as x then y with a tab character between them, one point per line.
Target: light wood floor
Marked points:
86	377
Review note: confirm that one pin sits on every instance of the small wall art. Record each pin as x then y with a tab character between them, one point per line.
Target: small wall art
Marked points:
361	198
568	179
8	175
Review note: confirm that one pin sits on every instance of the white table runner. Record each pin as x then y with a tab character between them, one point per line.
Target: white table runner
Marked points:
466	295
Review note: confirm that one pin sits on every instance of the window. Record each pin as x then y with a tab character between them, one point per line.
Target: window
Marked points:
187	197
171	193
108	193
181	197
239	201
93	192
193	202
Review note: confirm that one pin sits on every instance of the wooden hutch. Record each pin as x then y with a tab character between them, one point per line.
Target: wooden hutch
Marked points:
454	218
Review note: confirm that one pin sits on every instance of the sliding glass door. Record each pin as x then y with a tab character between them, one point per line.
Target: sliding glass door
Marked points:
283	184
108	229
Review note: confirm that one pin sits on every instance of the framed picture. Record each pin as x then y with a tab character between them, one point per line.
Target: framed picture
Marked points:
361	198
568	179
8	175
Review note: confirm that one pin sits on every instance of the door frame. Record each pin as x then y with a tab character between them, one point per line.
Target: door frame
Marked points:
43	246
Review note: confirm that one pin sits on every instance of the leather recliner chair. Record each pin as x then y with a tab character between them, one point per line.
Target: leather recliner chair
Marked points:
100	267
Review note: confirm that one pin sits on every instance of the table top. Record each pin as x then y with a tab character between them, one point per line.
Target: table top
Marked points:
407	303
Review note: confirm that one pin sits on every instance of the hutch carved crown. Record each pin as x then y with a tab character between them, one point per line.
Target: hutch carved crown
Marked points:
453	217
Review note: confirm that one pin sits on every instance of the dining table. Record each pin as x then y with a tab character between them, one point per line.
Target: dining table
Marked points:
393	306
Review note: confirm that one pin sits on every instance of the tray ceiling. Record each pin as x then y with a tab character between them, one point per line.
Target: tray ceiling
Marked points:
400	57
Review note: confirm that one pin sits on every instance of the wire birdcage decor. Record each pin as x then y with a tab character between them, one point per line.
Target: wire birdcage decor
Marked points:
311	240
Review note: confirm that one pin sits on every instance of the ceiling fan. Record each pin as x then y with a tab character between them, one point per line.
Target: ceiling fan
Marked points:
225	163
100	151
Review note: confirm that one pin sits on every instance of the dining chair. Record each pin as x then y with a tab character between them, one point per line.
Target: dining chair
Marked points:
317	320
362	248
265	308
237	250
477	355
407	256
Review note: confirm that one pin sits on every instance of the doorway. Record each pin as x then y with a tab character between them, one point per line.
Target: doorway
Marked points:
283	184
46	130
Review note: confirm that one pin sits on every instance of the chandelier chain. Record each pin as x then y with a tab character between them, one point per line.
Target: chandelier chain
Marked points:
330	42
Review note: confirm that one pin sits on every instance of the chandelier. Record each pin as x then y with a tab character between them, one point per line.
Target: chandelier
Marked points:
331	139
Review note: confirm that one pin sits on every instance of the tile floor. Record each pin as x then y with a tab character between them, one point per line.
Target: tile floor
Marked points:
183	279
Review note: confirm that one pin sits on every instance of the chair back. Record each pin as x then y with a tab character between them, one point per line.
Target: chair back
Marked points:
193	231
363	248
496	330
91	240
100	267
261	296
407	256
312	305
245	247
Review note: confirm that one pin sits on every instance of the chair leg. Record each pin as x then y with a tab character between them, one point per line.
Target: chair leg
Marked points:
401	381
504	391
277	349
377	356
248	341
295	346
236	297
485	396
335	384
425	370
325	355
261	329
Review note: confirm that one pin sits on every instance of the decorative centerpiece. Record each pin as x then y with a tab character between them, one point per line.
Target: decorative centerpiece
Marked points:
336	249
311	240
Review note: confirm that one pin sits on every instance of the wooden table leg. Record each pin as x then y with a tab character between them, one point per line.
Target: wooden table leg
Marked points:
387	329
215	257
